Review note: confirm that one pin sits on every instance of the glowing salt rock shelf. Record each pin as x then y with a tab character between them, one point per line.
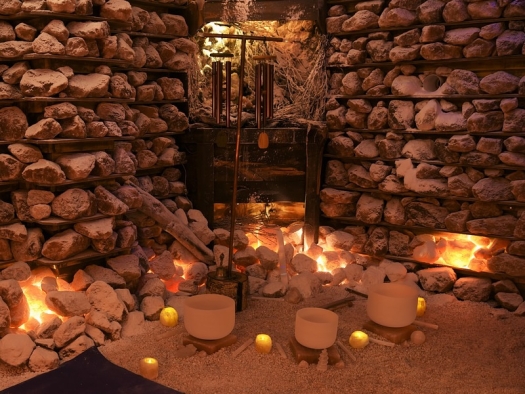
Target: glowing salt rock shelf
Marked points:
392	304
209	316
316	328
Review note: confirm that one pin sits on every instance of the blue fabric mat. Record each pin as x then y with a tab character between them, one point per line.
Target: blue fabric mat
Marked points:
89	373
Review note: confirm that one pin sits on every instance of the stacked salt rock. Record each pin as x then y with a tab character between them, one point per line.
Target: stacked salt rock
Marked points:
434	40
172	54
102	234
65	120
479	115
385	166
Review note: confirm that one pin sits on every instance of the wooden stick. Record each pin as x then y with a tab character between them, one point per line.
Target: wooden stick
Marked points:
425	324
242	348
170	223
350	290
346	350
380	342
281	350
338	303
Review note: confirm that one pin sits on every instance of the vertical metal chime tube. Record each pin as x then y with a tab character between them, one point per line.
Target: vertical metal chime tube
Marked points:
215	109
218	87
269	91
220	79
228	91
263	90
258	94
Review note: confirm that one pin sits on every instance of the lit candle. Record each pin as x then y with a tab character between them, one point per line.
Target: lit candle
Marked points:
358	339
169	317
149	368
421	306
263	343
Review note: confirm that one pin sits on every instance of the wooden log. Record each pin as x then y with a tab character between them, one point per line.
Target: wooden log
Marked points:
172	225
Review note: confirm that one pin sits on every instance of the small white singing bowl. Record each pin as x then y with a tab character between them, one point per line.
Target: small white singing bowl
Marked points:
392	304
316	328
209	316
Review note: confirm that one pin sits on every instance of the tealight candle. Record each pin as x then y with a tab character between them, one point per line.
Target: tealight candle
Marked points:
421	306
149	368
358	339
263	343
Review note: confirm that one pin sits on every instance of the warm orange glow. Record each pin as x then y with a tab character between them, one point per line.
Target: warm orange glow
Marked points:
358	339
149	368
421	306
454	250
172	284
462	249
263	343
36	300
321	264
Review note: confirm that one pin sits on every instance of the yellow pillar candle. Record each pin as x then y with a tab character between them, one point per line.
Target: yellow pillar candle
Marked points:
263	343
421	306
358	339
149	368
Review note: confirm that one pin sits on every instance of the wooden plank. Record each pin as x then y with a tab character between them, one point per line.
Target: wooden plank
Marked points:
87	255
39	56
311	356
90	181
396	335
514	62
468	23
412	194
67	99
210	346
157	4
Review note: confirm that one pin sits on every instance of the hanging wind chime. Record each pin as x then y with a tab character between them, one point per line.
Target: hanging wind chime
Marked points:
264	76
221	73
225	280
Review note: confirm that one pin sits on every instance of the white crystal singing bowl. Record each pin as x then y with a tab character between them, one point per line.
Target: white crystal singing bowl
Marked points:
392	304
209	316
316	328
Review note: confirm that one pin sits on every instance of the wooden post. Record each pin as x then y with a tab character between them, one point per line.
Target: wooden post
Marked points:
315	141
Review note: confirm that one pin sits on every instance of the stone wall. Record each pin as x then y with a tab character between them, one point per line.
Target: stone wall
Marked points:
427	128
92	94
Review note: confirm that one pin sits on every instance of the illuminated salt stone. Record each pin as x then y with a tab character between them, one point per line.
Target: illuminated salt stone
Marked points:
458	253
263	343
426	252
358	339
149	368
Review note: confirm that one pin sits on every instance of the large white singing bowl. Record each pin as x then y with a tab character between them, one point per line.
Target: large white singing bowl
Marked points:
316	328
392	304
209	316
